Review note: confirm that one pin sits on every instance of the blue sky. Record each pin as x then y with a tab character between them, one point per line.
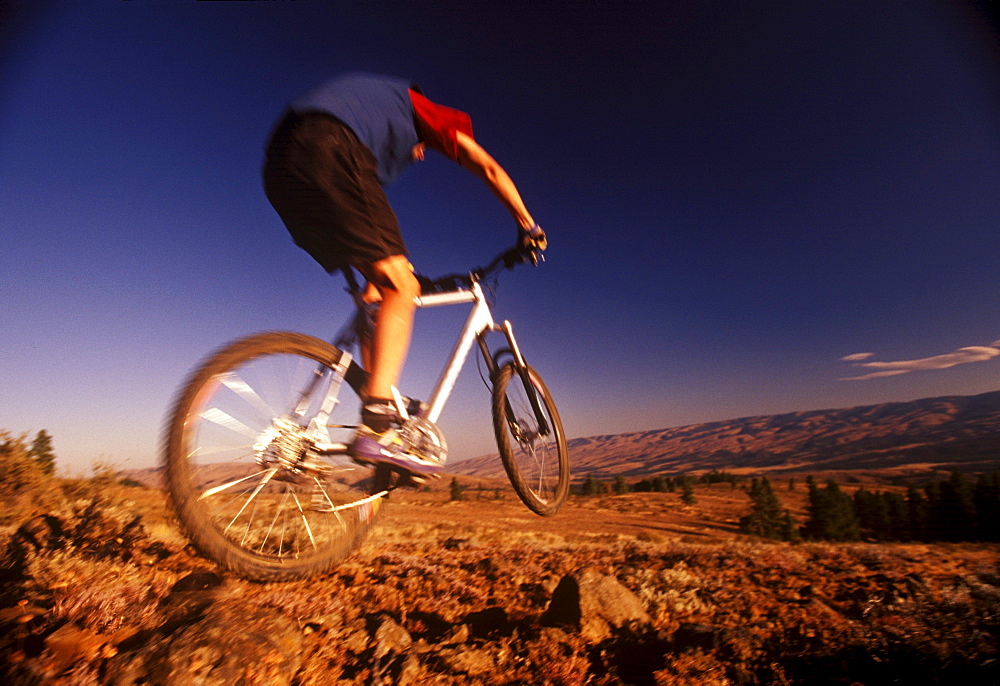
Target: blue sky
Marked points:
738	196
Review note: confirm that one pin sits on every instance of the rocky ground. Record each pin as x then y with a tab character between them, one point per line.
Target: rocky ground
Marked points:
631	589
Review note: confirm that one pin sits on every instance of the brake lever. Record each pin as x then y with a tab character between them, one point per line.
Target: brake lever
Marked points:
533	255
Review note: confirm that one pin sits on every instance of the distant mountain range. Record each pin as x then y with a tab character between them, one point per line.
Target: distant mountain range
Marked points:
950	432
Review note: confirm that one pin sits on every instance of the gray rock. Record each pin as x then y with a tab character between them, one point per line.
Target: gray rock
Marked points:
468	661
228	646
390	637
595	604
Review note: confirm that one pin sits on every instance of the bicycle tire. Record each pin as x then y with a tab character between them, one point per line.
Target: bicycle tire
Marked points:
538	466
242	472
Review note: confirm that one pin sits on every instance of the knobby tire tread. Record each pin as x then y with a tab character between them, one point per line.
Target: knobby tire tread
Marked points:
198	525
506	375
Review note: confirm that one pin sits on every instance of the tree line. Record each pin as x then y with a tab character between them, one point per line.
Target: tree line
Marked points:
20	458
952	509
26	469
958	508
656	484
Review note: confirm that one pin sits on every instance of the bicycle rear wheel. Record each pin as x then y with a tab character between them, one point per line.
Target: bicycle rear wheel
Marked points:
251	464
536	461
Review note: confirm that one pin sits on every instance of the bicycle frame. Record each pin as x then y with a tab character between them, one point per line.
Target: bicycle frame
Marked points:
477	325
249	433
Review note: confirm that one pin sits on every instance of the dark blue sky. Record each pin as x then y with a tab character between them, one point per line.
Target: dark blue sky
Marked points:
738	196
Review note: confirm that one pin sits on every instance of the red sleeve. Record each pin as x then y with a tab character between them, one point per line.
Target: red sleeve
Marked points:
437	125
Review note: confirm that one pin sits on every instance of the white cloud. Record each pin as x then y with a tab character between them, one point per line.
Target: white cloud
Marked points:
974	353
857	357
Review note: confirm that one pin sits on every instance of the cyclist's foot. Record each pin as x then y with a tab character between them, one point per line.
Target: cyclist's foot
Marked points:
380	414
386	447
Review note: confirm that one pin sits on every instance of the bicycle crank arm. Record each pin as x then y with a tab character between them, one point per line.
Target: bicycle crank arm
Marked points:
327	449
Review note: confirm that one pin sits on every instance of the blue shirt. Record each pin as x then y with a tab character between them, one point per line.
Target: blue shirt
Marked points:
379	112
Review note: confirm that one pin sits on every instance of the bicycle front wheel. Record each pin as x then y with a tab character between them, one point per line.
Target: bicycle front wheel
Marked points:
534	452
254	459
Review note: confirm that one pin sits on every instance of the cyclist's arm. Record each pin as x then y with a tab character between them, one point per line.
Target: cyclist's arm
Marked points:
472	156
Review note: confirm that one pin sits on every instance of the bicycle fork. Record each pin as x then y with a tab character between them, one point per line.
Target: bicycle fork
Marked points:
522	371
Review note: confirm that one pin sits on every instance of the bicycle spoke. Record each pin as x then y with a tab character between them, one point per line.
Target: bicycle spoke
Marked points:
250	520
278	510
260	487
262	492
536	463
226	421
244	390
305	521
218	489
245	451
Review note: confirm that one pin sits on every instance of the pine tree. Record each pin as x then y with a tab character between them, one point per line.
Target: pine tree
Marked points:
864	508
831	514
986	498
872	513
41	450
643	486
687	492
953	515
899	521
620	487
789	530
24	483
766	518
935	530
916	508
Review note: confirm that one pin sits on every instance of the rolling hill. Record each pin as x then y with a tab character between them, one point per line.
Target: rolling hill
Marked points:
960	432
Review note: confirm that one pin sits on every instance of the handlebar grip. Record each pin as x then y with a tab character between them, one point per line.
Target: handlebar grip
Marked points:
519	254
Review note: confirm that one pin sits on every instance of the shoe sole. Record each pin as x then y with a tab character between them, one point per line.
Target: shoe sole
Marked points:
369	452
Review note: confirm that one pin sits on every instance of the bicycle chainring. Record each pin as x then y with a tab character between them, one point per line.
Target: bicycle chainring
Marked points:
425	437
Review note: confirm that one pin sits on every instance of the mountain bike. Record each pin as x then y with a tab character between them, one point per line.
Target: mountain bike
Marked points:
256	449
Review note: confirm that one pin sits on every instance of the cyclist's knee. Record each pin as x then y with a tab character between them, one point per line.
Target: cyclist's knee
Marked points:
394	275
407	286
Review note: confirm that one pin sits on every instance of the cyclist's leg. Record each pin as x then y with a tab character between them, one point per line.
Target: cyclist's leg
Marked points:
381	439
325	187
397	287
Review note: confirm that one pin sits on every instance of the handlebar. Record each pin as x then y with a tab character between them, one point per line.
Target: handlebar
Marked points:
508	259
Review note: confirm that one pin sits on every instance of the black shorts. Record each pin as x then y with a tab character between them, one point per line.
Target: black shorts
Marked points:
323	183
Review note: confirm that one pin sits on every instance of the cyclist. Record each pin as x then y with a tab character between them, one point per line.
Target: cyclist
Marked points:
327	162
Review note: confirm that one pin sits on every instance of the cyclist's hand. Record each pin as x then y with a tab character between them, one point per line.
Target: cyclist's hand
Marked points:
533	239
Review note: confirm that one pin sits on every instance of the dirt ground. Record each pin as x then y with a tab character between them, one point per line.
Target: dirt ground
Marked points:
649	516
460	592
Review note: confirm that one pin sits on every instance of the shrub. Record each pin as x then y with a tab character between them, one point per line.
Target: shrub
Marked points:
25	486
687	493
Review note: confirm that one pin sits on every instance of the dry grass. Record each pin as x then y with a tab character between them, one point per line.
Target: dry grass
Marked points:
447	592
